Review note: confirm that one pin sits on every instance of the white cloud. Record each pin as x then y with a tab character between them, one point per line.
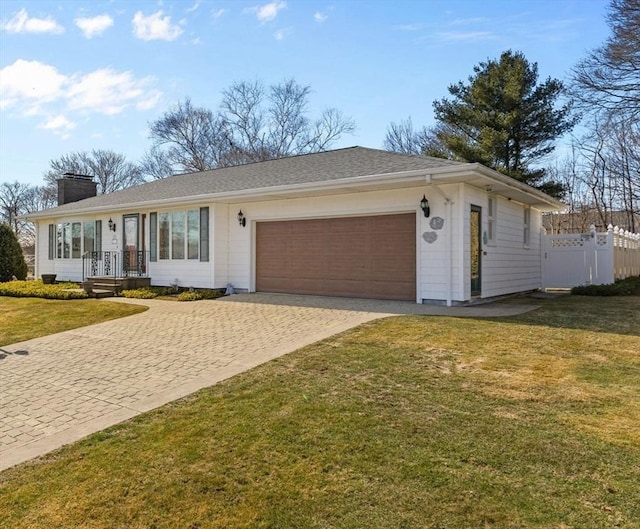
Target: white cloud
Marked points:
320	17
155	27
59	125
22	23
30	84
34	89
469	21
106	91
410	27
267	12
464	36
94	26
218	13
194	7
279	35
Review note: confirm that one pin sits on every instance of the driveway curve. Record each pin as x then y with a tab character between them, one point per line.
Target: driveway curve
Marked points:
59	388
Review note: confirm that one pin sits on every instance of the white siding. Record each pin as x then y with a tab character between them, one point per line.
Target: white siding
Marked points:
508	266
219	244
44	265
439	274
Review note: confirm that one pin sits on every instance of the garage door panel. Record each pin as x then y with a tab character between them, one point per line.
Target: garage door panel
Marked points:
371	257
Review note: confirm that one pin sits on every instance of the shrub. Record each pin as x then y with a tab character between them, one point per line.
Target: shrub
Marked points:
139	293
189	296
161	291
208	293
12	261
36	289
622	287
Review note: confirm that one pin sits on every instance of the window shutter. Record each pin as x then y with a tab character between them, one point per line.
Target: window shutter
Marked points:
97	243
204	234
153	236
52	240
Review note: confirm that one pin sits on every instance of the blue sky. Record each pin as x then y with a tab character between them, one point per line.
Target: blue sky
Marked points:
80	75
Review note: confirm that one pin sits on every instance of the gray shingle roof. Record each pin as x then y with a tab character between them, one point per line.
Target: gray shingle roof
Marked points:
304	169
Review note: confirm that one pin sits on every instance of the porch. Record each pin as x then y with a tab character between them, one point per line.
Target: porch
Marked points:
107	273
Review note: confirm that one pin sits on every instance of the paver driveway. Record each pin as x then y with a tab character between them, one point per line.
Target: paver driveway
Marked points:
60	388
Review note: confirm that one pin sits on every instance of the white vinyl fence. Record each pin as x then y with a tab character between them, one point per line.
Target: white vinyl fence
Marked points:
589	258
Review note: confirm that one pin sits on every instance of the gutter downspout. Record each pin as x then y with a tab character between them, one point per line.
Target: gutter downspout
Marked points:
449	222
36	250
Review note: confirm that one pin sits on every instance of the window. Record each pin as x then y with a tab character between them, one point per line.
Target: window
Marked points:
66	240
164	229
179	235
193	233
70	240
76	240
527	226
88	236
491	219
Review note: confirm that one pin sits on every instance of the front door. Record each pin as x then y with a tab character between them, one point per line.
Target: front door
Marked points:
130	242
476	250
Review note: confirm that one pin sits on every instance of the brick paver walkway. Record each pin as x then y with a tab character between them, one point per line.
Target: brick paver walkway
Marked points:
60	388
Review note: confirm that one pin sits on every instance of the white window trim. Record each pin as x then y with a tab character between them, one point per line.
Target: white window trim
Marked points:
526	235
492	219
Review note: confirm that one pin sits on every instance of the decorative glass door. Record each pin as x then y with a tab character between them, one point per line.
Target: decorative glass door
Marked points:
130	243
476	250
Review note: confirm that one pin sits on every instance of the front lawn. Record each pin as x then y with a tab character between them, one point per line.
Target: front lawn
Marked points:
25	318
409	422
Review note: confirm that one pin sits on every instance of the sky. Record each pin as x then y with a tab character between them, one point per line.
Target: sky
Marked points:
78	75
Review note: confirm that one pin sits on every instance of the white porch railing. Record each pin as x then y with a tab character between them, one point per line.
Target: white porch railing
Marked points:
589	258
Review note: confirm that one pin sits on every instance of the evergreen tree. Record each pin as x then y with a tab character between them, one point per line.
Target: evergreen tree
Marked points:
504	119
12	261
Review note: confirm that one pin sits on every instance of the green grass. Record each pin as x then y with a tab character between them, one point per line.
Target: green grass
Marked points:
25	318
408	422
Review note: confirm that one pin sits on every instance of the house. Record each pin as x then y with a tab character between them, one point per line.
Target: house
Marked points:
354	222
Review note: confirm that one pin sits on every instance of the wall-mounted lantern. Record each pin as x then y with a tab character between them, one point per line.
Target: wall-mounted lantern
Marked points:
112	225
424	205
242	221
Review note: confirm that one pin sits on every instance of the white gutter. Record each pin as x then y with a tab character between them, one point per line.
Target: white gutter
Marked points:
449	240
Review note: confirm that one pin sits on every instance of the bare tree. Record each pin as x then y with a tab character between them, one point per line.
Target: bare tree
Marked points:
17	199
252	124
602	176
186	138
402	137
111	170
13	197
609	78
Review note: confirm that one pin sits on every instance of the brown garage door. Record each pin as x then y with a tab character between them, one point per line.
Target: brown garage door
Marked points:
367	257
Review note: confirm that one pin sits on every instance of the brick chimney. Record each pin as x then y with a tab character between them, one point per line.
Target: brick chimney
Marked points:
73	187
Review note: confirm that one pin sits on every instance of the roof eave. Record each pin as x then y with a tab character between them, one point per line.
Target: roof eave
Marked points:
465	173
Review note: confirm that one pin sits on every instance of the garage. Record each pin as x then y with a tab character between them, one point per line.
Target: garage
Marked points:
364	257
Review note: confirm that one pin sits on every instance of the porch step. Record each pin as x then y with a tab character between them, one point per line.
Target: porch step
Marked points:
110	286
100	293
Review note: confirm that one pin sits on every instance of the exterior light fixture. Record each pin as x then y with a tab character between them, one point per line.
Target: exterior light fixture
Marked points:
112	225
242	221
424	205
